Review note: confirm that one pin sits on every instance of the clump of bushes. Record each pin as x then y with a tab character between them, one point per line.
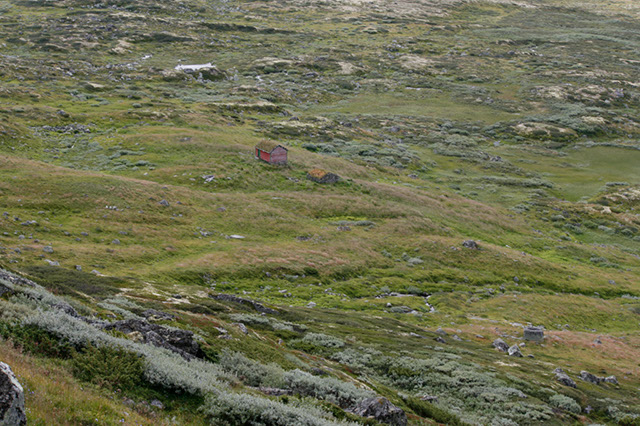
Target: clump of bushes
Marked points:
109	367
565	403
251	372
326	388
322	340
242	409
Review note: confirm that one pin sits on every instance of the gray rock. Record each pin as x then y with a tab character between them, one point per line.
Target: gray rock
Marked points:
563	378
382	410
440	340
441	332
275	391
116	241
534	334
500	345
47	249
611	379
179	341
156	403
164	203
11	398
242	327
470	244
154	315
514	351
590	378
235	299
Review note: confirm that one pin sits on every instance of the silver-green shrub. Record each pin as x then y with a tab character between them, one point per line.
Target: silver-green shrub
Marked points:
230	409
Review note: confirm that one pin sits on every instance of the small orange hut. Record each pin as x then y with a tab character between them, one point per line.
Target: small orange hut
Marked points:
271	152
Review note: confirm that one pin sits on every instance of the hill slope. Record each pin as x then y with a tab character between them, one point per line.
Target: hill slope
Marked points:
128	182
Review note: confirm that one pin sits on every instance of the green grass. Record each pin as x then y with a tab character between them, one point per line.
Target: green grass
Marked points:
429	169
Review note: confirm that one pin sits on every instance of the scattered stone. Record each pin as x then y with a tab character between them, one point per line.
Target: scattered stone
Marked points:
534	334
515	351
47	249
456	337
382	410
164	203
500	345
221	209
440	340
116	241
441	331
470	244
590	378
235	299
275	391
78	267
429	398
154	315
611	379
12	412
52	262
311	305
156	403
564	378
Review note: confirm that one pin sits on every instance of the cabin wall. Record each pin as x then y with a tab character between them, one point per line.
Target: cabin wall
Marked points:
279	155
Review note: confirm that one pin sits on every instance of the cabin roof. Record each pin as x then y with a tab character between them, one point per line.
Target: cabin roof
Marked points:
267	145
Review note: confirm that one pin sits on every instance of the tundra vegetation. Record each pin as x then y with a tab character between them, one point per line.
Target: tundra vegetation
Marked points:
153	272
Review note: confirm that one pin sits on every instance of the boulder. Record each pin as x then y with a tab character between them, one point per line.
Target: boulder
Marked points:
176	340
534	334
611	379
564	378
470	244
514	351
382	410
154	315
500	345
11	398
590	378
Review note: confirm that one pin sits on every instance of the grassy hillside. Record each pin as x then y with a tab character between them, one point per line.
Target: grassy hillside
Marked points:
125	183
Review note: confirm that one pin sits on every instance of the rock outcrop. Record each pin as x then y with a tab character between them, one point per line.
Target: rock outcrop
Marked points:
235	299
382	410
176	340
12	411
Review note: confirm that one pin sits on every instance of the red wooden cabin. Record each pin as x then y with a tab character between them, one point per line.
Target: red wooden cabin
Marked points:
271	152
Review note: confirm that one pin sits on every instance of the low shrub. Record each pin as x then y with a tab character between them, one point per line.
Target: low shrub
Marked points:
109	367
36	341
429	411
230	409
326	388
565	403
